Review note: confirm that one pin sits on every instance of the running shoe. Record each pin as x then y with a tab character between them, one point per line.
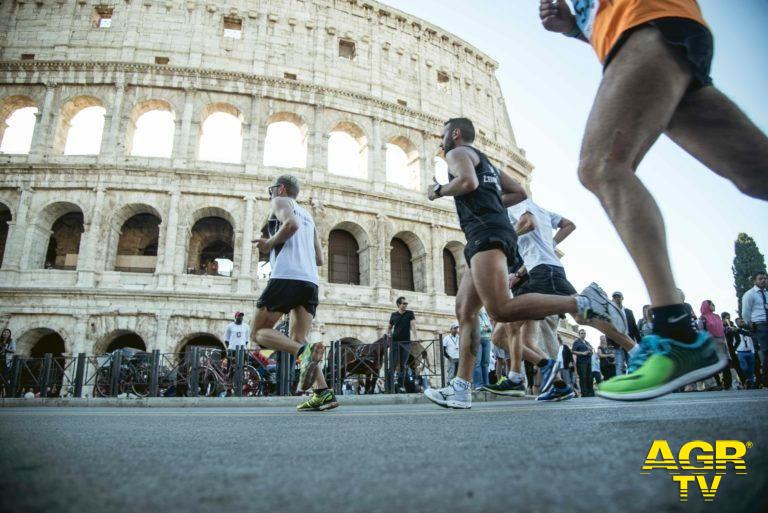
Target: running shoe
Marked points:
325	400
505	386
548	374
306	367
557	394
455	395
668	366
601	307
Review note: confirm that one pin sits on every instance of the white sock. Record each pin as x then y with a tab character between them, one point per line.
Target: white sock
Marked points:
461	384
515	377
634	350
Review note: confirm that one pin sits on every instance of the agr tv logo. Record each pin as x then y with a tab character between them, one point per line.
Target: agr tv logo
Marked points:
697	460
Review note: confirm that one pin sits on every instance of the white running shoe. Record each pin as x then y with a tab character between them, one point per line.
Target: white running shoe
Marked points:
601	307
455	395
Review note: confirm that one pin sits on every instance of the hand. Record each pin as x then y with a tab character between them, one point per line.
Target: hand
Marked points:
264	245
431	194
514	279
556	16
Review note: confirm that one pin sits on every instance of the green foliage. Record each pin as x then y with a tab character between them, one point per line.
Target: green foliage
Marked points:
747	261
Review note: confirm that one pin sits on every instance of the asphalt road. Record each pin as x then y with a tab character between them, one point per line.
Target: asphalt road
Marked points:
580	455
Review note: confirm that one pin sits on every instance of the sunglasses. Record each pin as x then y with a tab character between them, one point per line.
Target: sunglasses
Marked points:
271	189
404	304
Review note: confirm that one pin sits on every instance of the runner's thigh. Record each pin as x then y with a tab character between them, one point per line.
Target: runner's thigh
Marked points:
637	97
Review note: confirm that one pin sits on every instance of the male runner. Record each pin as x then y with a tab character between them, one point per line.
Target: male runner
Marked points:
481	194
543	273
294	254
656	56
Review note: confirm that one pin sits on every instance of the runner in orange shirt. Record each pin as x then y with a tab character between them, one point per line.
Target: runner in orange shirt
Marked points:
656	56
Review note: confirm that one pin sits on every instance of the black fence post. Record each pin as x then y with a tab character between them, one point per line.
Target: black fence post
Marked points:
340	360
15	375
442	359
154	373
393	370
285	373
79	375
114	384
193	379
240	364
387	376
331	362
45	379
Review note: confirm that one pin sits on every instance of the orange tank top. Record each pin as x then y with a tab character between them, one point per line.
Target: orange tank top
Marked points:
604	21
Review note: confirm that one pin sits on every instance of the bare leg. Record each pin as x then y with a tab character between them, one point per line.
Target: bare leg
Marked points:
709	126
467	307
638	96
489	274
264	334
514	345
301	323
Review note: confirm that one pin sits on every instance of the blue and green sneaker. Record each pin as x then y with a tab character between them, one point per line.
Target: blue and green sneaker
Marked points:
325	400
663	365
308	362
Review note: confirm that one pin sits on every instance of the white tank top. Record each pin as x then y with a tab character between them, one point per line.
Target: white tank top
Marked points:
295	259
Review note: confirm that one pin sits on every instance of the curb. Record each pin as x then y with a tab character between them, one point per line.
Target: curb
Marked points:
231	402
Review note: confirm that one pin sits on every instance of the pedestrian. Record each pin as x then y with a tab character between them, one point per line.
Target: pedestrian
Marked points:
597	376
621	357
607	363
711	323
402	330
745	352
480	376
583	352
451	350
645	325
238	333
730	339
7	349
754	311
656	58
295	252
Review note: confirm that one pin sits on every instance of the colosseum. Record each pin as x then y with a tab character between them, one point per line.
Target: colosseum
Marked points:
107	244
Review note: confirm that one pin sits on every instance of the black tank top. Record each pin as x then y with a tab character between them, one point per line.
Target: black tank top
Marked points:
482	210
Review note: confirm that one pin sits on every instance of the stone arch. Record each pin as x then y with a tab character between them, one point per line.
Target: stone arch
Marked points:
347	150
418	258
37	341
211	237
227	143
456	251
104	329
286	140
136	140
403	162
119	339
67	113
440	166
57	235
134	238
363	249
201	339
16	124
6	216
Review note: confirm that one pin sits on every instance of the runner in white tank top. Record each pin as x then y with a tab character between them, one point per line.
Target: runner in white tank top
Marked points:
294	253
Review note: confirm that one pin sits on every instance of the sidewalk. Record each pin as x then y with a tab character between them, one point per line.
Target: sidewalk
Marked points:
232	402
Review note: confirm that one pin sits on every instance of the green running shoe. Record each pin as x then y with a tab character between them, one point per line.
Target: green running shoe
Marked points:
669	365
307	366
325	400
506	387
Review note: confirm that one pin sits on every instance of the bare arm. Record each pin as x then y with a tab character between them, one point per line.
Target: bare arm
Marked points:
512	191
526	224
557	17
283	210
318	250
460	162
566	227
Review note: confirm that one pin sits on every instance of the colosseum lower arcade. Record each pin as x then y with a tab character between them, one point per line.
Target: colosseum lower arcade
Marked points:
138	140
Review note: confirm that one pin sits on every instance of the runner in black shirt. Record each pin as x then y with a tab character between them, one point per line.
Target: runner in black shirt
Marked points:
482	194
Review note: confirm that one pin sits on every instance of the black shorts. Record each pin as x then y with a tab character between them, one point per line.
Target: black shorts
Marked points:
692	39
545	279
286	295
492	239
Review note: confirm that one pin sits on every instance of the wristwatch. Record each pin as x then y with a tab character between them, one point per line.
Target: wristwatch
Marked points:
436	190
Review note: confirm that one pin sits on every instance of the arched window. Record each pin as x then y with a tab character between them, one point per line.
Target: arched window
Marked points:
402	163
127	339
285	144
347	151
211	247
85	132
150	133
17	124
441	169
449	273
343	256
401	265
5	218
137	247
64	244
221	136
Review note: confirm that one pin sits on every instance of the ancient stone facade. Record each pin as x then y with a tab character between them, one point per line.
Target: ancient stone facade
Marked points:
380	75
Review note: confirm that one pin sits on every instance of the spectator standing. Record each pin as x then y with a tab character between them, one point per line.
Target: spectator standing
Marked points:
597	376
730	338
402	329
645	326
451	349
712	323
7	348
583	352
620	355
745	352
483	360
238	333
607	364
754	311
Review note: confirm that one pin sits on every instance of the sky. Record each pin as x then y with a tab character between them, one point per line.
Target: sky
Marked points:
549	82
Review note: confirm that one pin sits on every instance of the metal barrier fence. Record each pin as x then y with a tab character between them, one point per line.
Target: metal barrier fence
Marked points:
203	371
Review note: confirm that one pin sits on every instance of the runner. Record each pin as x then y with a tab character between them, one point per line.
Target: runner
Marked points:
542	273
481	194
656	58
294	254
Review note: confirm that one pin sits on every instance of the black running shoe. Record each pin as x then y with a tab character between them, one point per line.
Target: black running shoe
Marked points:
505	386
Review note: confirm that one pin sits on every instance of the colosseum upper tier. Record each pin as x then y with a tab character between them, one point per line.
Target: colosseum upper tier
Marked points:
118	245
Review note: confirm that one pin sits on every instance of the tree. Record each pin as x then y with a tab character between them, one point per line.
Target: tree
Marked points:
746	263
